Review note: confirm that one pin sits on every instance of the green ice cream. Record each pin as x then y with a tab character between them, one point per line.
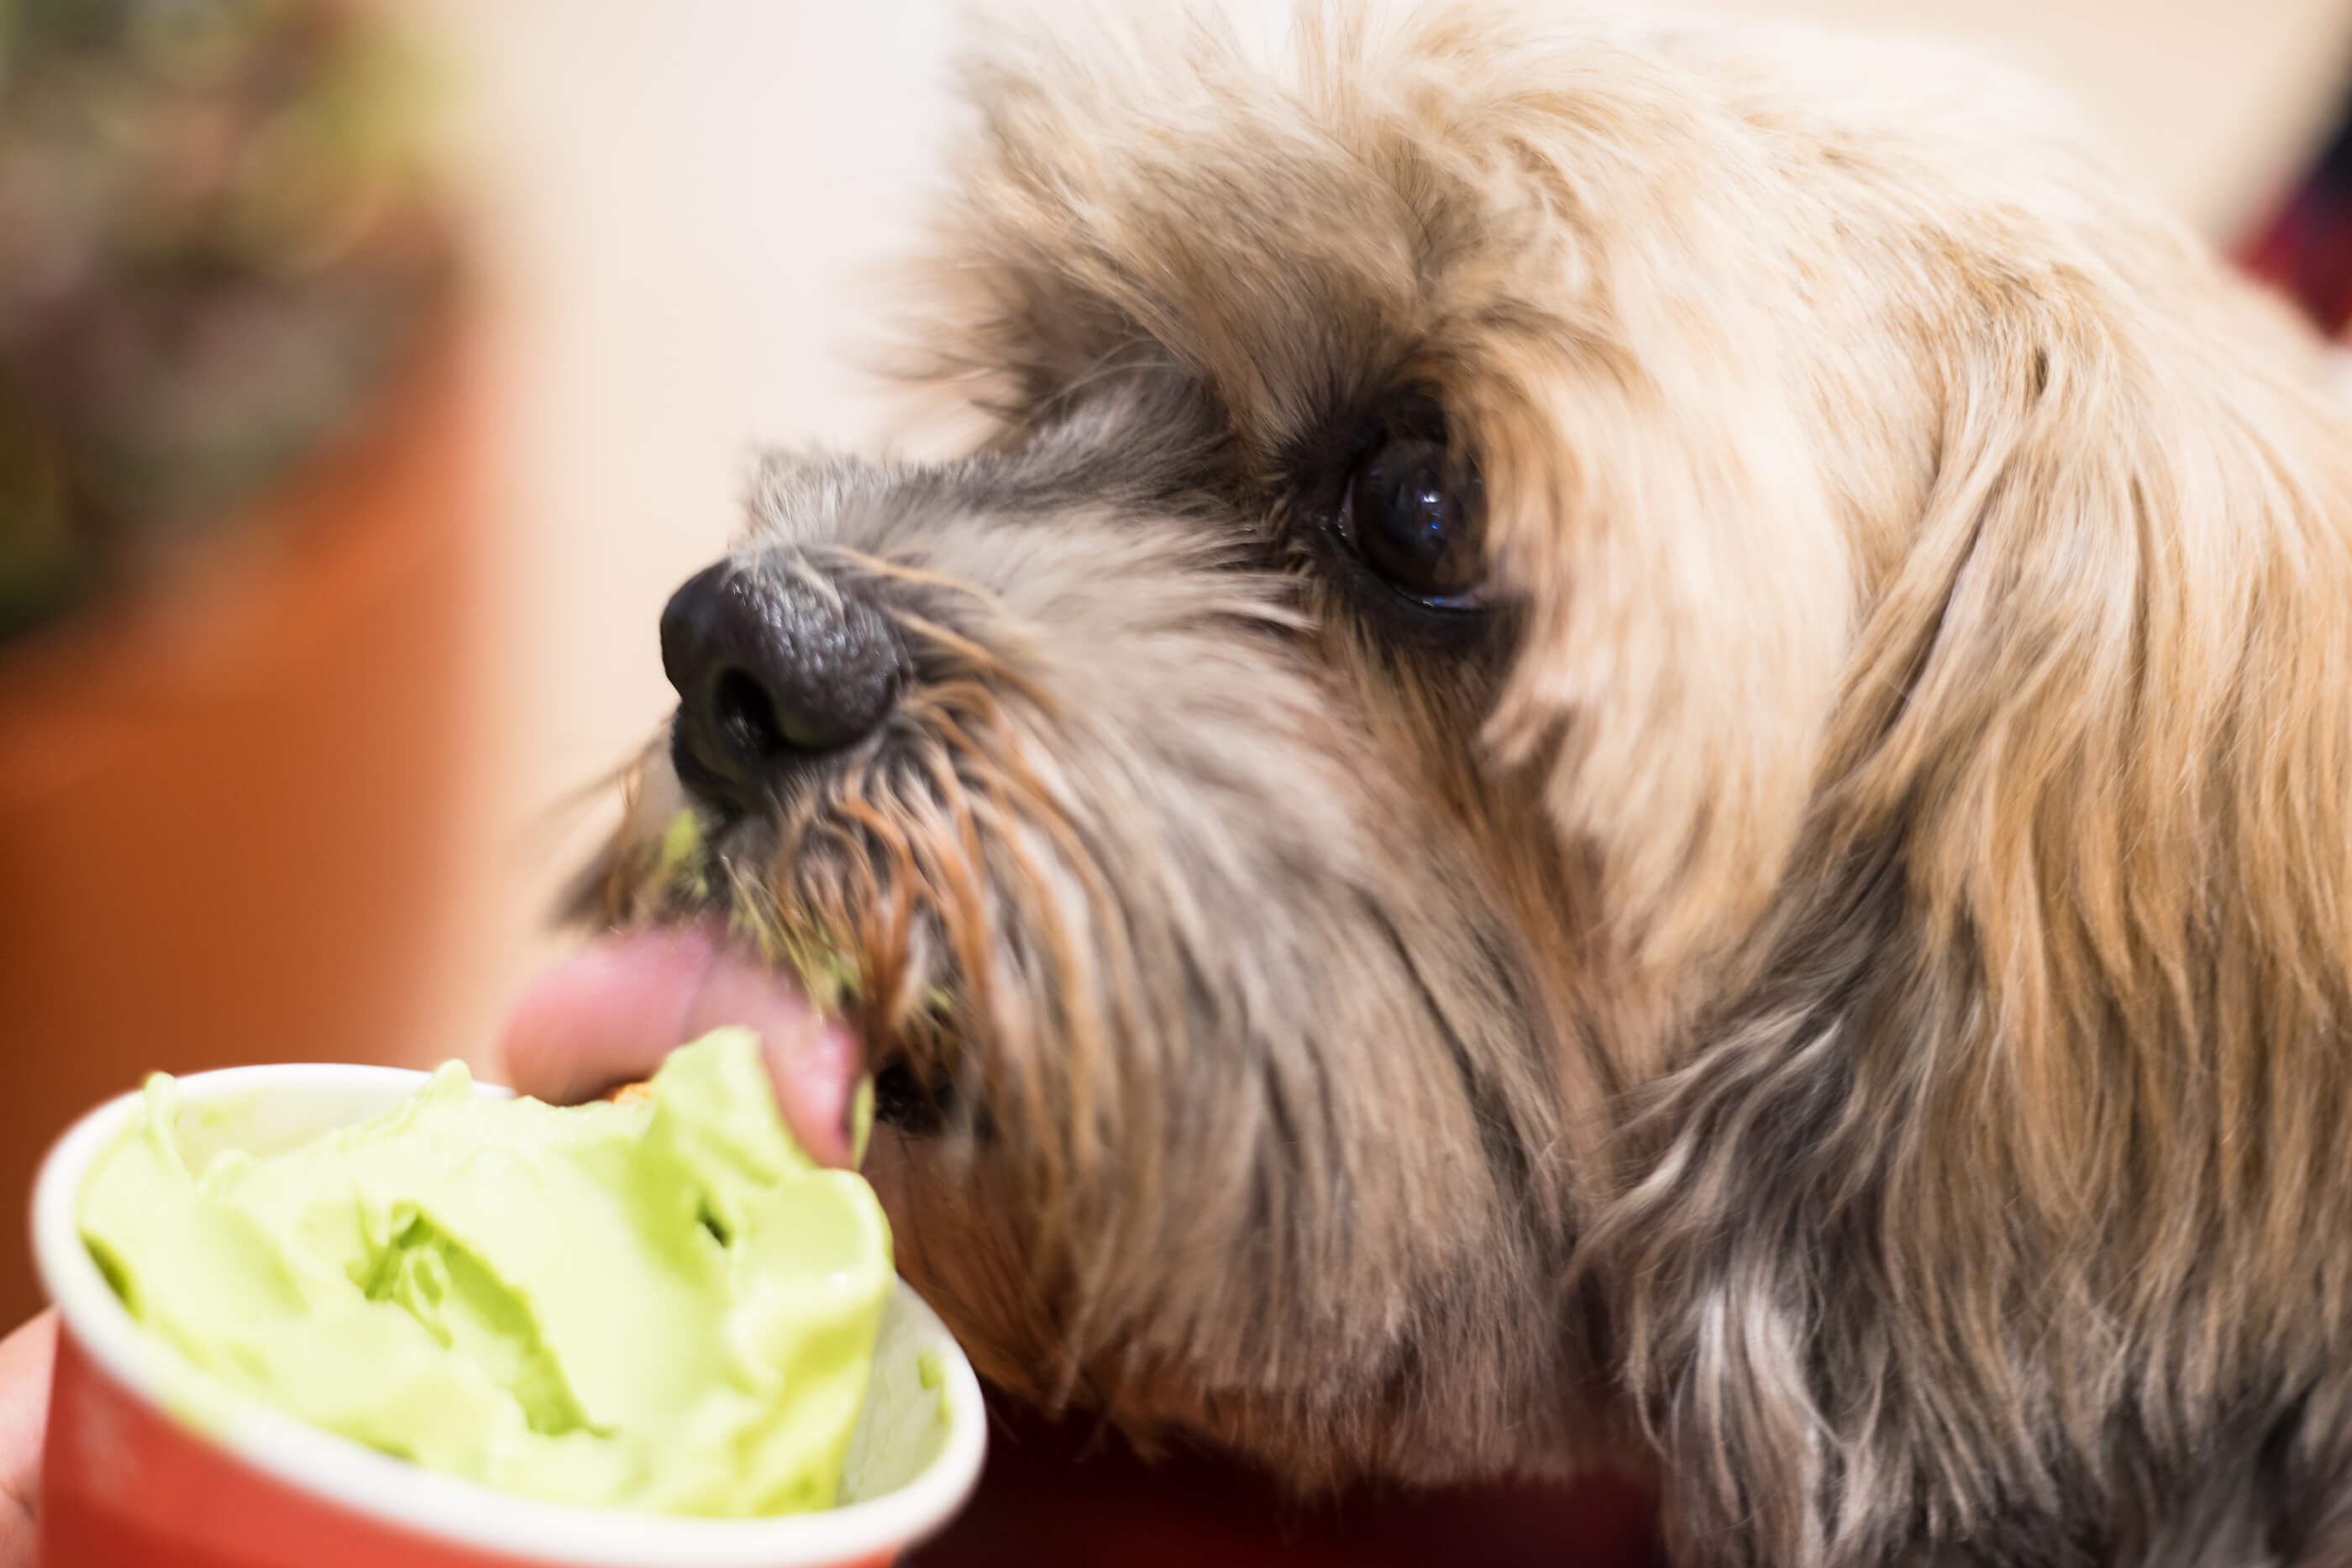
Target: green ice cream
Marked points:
662	1305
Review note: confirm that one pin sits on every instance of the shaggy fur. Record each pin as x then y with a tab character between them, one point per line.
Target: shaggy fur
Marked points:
1835	984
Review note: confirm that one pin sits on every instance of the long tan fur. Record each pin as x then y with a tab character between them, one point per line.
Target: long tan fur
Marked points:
1836	993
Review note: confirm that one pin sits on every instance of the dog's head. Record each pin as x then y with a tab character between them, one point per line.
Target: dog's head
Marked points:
1476	532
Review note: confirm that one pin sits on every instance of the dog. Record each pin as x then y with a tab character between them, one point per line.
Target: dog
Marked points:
1630	744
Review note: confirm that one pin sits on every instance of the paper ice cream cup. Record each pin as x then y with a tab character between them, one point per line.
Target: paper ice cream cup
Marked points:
146	1465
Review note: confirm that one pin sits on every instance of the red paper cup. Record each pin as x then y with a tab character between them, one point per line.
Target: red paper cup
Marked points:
146	1467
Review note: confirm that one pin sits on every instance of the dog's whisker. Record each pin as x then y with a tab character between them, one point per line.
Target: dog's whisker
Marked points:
882	567
981	662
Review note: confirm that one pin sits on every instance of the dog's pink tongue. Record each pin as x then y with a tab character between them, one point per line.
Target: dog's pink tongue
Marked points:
609	1014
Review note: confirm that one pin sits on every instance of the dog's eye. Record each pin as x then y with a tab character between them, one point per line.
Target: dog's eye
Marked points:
1414	514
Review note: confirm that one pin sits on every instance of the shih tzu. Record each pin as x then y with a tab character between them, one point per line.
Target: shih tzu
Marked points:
1632	746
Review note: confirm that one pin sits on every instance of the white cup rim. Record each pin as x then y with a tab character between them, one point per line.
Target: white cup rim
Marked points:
446	1507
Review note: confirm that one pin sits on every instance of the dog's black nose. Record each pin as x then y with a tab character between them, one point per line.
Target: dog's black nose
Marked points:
774	665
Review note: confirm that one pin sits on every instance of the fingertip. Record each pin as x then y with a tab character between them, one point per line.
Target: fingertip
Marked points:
27	1356
28	1349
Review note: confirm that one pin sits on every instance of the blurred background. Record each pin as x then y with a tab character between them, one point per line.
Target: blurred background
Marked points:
367	379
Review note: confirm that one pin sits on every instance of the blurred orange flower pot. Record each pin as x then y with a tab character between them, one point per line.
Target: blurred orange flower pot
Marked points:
228	814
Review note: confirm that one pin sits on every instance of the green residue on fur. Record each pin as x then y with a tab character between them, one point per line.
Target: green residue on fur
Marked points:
861	1121
679	863
830	976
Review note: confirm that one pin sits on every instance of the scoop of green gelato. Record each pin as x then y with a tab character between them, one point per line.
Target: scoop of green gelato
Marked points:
660	1305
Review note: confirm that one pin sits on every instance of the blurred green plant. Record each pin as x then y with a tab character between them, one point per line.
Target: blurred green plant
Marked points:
215	244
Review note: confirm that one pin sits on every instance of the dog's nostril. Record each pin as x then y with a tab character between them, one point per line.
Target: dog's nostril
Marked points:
746	715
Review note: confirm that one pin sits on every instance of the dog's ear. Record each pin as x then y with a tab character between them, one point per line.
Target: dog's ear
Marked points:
1658	513
2020	1146
2103	703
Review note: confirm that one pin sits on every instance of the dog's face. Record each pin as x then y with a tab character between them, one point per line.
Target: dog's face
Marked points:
1421	648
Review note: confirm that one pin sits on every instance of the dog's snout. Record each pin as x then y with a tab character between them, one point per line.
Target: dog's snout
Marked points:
774	665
